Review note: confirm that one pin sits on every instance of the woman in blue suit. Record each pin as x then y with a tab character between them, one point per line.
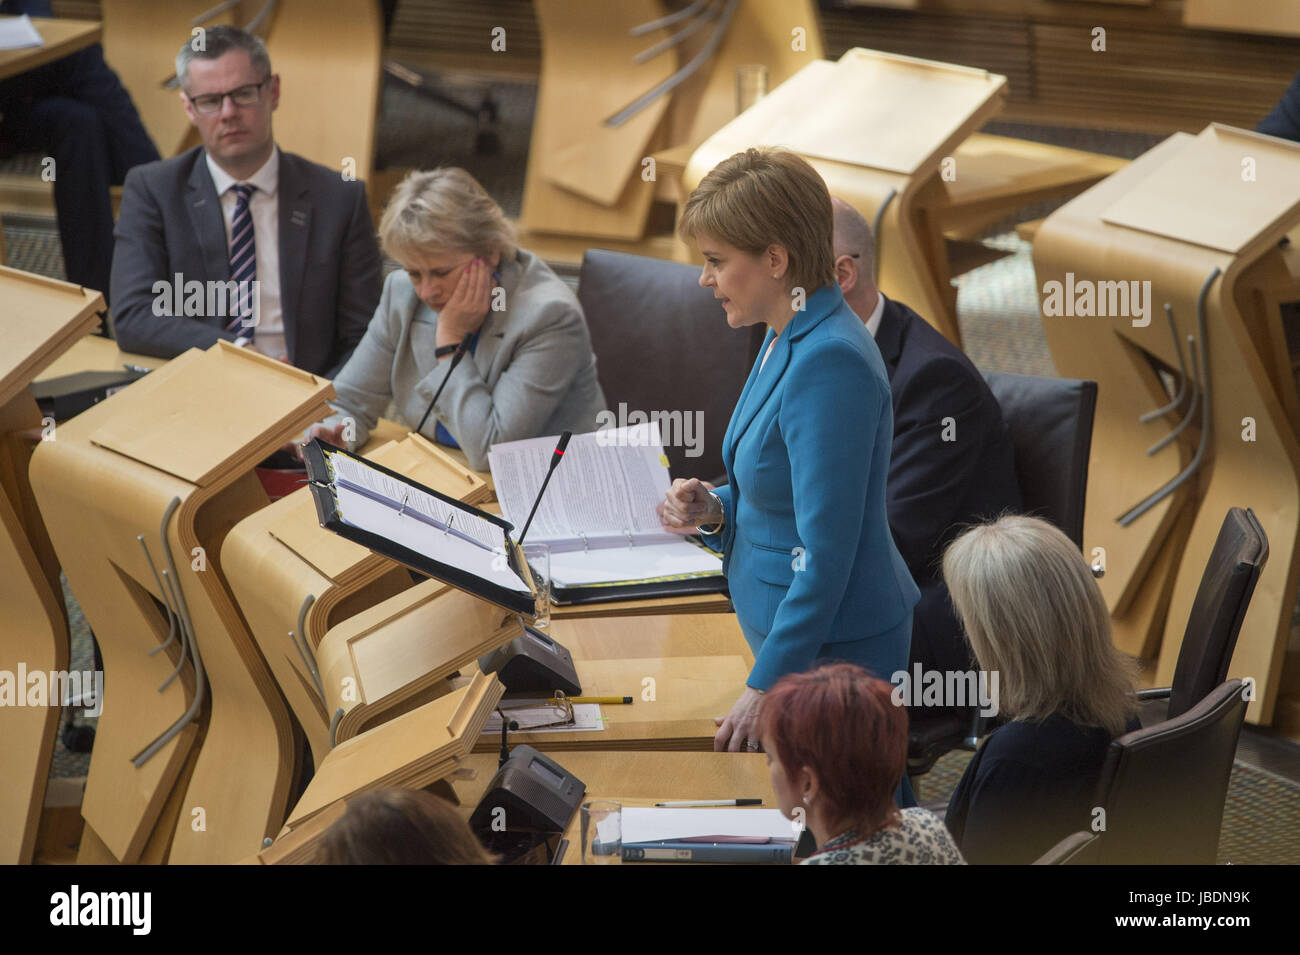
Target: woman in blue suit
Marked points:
801	522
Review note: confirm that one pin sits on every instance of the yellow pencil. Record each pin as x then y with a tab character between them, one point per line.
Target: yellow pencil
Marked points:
600	699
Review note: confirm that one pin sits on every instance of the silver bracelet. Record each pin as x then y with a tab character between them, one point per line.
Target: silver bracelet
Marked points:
714	528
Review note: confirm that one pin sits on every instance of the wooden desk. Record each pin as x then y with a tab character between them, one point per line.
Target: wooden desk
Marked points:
95	353
34	628
694	667
996	176
639	778
61	38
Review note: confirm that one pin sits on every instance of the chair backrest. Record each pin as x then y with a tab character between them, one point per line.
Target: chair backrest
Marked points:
1050	421
1163	786
1078	848
663	344
1222	599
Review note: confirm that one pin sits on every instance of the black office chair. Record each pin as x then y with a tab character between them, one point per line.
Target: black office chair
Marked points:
1163	787
1050	423
1078	848
1235	563
1050	420
662	344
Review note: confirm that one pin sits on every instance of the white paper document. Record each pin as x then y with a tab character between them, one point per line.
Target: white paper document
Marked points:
642	562
534	715
598	513
673	825
18	33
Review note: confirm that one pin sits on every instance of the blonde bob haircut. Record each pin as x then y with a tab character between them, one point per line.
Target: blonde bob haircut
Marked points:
765	197
444	210
1035	615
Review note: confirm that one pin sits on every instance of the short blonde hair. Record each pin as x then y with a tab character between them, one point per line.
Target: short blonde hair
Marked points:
444	210
764	197
1035	615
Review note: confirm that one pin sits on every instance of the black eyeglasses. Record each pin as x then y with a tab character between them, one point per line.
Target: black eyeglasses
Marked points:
243	96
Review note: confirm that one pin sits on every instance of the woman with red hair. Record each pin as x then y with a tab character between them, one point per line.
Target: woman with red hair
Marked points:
837	746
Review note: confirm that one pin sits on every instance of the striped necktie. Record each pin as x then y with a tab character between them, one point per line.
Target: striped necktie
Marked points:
243	263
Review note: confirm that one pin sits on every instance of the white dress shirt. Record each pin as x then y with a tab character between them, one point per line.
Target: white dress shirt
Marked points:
873	320
265	210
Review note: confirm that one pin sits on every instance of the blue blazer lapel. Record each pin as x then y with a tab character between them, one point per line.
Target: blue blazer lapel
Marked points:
204	207
759	386
761	382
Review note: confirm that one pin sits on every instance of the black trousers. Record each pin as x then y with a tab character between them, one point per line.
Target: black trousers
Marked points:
76	111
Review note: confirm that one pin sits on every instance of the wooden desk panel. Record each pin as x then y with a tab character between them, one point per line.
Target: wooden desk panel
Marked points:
61	38
681	671
95	353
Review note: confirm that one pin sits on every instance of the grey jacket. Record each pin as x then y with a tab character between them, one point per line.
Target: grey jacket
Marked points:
171	222
532	372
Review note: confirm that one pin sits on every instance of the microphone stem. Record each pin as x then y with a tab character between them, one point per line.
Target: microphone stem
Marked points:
455	360
538	500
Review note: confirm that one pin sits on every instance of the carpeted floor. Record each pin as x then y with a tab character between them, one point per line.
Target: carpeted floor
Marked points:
997	308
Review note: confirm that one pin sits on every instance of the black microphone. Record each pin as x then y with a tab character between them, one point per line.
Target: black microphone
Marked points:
455	360
555	460
507	724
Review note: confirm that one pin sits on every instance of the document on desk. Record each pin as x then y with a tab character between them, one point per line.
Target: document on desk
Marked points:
646	825
18	33
534	716
598	513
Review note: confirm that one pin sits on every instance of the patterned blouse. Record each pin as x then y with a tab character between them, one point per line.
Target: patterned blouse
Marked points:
920	839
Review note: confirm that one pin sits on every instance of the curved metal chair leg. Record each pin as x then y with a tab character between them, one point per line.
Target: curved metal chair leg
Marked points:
1207	418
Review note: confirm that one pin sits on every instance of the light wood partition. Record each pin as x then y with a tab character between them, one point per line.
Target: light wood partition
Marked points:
34	627
294	580
411	751
400	653
327	52
169	459
682	669
585	177
1199	219
883	126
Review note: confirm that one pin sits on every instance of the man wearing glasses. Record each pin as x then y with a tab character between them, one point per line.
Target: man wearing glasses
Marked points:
236	239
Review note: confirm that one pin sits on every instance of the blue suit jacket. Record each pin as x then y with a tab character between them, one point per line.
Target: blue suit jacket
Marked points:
807	548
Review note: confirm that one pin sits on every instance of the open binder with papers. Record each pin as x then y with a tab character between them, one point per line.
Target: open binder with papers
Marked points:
416	526
598	516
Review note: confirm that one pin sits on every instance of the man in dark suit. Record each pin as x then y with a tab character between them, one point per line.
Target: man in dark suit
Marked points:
237	240
951	459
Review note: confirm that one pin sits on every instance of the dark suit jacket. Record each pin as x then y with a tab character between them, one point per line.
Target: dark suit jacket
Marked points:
935	485
170	222
1284	119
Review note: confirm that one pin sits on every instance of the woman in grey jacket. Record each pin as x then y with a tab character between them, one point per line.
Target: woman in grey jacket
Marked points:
530	370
